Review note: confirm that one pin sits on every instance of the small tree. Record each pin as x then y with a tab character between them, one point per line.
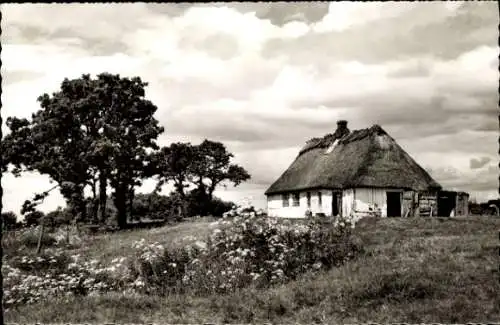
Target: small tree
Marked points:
175	164
9	220
202	168
58	217
33	218
212	167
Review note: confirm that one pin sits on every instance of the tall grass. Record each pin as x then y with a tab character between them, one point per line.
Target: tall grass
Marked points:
411	270
243	252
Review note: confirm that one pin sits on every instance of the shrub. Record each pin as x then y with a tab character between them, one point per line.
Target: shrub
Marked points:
218	207
63	234
57	218
44	263
29	238
9	221
246	251
26	238
10	242
36	278
198	203
152	205
33	218
158	270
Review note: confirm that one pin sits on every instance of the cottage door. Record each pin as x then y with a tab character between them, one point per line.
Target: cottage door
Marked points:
446	203
339	202
393	204
336	203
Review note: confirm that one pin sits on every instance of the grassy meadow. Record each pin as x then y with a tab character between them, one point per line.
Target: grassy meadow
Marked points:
442	270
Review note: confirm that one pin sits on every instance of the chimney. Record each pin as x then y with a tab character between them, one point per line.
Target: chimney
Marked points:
342	124
342	129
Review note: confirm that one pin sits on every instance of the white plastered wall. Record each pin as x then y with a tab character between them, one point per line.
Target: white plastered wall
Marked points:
364	198
275	206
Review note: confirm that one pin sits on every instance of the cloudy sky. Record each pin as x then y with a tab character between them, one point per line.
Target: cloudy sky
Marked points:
264	78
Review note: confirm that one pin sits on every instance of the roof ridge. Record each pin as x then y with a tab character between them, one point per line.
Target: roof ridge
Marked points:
329	138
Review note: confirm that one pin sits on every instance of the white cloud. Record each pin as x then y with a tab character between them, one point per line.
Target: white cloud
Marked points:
17	190
295	29
344	15
27	57
471	71
106	21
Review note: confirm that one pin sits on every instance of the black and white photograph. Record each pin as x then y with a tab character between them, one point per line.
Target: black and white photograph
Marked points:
250	162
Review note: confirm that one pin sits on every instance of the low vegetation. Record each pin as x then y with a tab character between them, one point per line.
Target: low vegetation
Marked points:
241	252
251	269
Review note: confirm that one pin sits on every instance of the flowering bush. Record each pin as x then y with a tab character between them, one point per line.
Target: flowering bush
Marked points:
46	262
246	251
273	250
243	251
244	210
157	269
29	279
68	236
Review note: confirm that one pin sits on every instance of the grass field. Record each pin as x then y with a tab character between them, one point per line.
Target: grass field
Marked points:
108	246
413	270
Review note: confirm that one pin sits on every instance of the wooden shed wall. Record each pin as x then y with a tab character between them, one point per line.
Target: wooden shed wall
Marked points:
462	206
427	204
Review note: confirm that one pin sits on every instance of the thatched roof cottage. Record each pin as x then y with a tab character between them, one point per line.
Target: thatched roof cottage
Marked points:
360	172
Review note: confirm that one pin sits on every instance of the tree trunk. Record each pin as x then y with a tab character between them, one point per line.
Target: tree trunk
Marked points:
181	210
102	197
95	204
130	202
121	215
95	211
202	197
210	193
81	206
120	200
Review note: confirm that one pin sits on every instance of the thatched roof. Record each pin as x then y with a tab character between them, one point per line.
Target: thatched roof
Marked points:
362	158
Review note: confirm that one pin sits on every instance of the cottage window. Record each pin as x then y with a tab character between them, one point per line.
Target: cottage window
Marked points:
308	199
285	200
296	199
320	201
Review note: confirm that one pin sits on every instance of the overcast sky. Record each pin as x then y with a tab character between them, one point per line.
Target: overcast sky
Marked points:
264	78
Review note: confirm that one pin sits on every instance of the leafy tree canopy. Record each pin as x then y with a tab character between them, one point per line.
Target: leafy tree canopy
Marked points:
9	220
204	167
89	128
